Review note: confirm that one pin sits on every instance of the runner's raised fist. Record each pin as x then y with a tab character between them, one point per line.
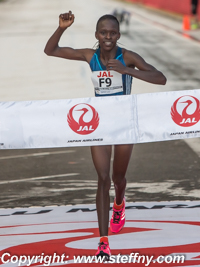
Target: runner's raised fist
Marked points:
66	20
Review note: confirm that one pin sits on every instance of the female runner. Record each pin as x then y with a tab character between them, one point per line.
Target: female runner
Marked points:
107	57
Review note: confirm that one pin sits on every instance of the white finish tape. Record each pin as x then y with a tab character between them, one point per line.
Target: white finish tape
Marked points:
100	121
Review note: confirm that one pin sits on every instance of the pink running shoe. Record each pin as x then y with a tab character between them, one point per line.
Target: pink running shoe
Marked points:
103	250
118	219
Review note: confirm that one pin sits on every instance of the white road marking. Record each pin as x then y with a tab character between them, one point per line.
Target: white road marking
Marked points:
37	154
71	189
39	178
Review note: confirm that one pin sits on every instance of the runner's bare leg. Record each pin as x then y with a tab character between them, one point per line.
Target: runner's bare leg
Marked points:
101	156
122	154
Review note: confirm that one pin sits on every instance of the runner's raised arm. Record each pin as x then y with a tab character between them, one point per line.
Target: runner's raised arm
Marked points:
53	49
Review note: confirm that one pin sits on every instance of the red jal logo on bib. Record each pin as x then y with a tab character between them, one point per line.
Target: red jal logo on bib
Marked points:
83	119
186	111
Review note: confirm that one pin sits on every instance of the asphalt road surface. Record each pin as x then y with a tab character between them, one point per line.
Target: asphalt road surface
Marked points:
44	177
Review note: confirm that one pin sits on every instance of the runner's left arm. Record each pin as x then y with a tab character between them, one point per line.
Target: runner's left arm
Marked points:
144	71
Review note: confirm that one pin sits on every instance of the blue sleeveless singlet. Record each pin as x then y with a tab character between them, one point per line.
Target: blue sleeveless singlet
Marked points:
96	65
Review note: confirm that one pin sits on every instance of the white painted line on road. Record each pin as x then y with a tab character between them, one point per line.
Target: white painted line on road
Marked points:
71	189
38	178
75	183
164	27
37	154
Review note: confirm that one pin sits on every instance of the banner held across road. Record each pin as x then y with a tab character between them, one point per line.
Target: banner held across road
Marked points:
92	121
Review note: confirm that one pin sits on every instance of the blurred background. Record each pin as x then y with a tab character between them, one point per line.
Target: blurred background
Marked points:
162	32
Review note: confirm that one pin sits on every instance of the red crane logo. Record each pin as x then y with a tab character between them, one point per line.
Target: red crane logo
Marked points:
85	122
186	111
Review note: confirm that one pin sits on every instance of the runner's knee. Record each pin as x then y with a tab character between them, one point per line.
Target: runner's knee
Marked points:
104	180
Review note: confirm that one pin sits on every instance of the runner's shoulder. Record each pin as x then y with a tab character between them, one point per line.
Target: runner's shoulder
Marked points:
130	57
88	53
127	53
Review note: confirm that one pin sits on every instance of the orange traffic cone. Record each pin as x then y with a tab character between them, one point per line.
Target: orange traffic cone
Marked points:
186	23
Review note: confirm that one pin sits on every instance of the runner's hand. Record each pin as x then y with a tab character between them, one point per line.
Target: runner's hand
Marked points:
66	20
116	65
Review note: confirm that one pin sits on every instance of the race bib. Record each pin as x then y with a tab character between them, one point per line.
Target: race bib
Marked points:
107	82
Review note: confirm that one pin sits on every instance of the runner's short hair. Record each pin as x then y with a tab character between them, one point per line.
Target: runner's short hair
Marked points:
108	16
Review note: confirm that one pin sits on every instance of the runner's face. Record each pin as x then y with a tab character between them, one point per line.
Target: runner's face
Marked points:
107	34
